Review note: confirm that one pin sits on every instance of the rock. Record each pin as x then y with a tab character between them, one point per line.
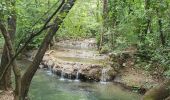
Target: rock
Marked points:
86	70
95	73
41	66
50	63
111	74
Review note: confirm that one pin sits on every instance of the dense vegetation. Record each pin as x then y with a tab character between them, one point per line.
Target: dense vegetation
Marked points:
117	25
144	25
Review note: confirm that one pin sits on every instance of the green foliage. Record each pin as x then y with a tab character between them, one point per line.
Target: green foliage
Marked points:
105	49
124	25
81	22
31	16
3	10
127	25
162	56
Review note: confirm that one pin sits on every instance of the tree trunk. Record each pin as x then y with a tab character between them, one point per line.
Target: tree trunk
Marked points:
162	37
158	93
10	54
147	23
5	83
28	75
105	13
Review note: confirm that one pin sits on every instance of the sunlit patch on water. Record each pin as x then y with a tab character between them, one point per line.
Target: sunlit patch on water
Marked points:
76	80
61	79
103	82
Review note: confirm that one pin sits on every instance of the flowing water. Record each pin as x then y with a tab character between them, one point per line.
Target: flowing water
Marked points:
103	77
47	86
50	87
62	75
77	75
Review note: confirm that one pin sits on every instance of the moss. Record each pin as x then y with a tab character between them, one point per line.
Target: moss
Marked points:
105	49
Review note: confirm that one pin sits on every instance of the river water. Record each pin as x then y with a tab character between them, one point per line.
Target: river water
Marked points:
47	86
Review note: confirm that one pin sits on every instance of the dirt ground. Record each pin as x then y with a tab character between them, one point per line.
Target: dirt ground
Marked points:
137	77
6	95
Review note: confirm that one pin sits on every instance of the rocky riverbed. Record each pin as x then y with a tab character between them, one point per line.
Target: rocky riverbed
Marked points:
78	60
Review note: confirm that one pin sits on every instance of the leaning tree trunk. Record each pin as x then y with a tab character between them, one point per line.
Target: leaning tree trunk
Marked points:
158	93
28	75
5	82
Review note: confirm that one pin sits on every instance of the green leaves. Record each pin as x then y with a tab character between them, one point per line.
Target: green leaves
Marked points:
3	10
137	22
82	20
31	16
127	23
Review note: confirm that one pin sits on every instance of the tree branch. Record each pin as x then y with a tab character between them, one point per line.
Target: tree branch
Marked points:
31	38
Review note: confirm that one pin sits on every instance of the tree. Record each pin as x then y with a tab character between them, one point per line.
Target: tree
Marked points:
105	14
23	83
159	11
10	54
5	83
28	75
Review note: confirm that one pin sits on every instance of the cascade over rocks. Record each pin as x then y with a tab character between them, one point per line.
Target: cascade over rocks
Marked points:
78	58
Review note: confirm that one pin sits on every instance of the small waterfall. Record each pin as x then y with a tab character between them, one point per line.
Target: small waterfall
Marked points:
77	76
104	76
49	72
62	75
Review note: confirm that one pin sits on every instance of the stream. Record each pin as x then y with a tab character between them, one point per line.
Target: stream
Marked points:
48	86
